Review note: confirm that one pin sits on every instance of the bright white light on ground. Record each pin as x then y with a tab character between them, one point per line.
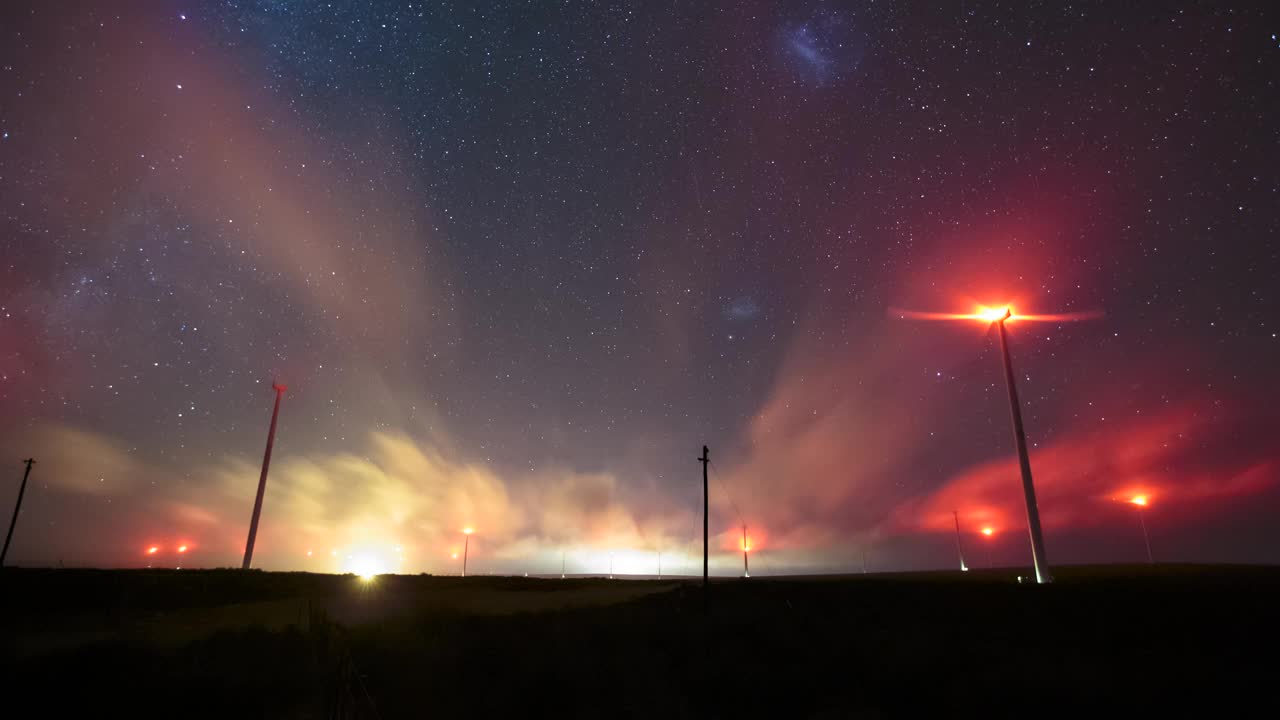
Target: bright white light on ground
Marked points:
368	564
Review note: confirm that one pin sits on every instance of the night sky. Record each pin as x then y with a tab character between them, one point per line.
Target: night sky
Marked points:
518	262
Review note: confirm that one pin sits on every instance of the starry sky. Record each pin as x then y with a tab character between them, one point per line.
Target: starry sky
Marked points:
517	262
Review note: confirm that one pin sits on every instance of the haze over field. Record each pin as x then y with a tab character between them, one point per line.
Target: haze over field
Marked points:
517	263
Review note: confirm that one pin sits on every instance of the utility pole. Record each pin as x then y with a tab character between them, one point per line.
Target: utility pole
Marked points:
746	571
466	547
262	480
22	489
959	549
705	459
562	564
1024	462
659	564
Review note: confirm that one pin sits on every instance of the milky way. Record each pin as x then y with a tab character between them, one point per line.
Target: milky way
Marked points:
518	262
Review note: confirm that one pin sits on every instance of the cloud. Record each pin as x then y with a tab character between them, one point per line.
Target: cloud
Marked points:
822	454
246	183
593	509
398	493
401	500
82	461
1079	474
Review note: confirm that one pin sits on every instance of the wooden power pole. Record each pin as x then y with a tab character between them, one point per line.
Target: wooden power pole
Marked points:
706	506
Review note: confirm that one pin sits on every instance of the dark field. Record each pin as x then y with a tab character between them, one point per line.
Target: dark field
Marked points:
1102	641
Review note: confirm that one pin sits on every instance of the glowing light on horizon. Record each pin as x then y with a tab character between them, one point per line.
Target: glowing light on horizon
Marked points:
625	561
988	531
467	531
1139	500
153	550
368	565
182	548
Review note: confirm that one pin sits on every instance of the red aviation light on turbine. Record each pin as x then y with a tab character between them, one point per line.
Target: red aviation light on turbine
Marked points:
997	313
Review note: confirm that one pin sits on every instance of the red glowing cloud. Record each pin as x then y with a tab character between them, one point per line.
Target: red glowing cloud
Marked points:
1075	477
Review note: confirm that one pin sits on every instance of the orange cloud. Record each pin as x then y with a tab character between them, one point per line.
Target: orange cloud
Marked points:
823	454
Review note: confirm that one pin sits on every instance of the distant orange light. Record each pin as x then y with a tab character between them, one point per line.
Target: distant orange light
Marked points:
988	531
153	550
308	553
1139	500
182	548
455	556
467	531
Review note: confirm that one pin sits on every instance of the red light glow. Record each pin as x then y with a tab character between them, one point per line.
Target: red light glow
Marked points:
996	313
1139	500
988	531
153	550
182	548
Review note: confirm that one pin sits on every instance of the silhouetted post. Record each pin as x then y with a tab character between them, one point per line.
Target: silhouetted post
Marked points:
22	489
1024	462
659	564
746	571
959	549
706	507
561	564
262	480
864	561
